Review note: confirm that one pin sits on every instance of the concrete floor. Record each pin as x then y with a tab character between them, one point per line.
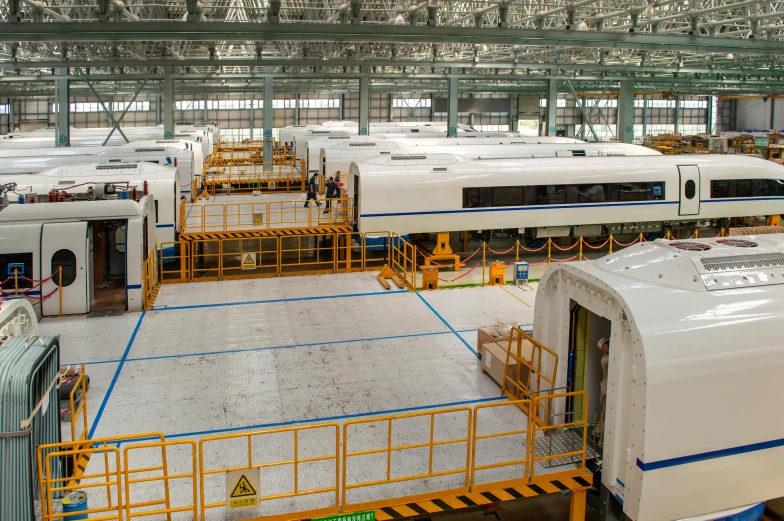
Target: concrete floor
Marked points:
235	356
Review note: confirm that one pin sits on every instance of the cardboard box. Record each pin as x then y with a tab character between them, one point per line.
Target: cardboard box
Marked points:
483	337
494	360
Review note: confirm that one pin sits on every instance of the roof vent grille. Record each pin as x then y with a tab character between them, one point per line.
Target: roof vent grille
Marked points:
407	158
150	150
440	169
738	243
362	144
125	166
690	246
742	262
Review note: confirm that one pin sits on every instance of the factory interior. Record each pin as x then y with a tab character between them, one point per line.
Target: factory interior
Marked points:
420	260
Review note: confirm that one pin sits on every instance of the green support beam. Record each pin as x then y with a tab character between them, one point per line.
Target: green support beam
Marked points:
452	101
550	122
168	104
63	116
626	112
269	97
364	101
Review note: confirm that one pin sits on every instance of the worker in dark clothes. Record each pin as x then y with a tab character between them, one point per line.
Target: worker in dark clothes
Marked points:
333	192
312	191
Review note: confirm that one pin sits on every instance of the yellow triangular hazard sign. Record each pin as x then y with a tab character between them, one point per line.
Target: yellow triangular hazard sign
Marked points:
243	488
249	262
257	219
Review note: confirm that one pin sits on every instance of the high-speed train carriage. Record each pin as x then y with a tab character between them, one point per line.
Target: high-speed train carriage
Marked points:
178	153
100	244
162	181
396	141
595	195
696	352
338	157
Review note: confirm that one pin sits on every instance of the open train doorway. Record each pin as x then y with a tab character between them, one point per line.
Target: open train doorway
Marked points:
109	266
585	370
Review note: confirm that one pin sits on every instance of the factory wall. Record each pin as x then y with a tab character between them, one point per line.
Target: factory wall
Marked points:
520	112
754	113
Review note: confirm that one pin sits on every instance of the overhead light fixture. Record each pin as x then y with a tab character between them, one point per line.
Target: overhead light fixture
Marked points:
434	3
582	26
484	47
399	19
730	56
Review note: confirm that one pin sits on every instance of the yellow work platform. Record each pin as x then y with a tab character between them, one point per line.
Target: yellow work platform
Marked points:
577	485
275	232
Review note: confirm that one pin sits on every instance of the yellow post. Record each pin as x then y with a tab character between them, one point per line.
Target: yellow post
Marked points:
60	289
696	234
549	250
721	233
611	242
517	250
577	505
641	239
581	247
484	259
16	281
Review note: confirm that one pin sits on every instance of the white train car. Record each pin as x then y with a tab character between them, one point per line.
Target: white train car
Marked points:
696	353
299	139
162	181
100	245
180	154
399	141
338	156
587	196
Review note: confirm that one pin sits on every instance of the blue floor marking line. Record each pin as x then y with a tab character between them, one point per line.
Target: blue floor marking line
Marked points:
337	418
274	301
116	376
447	325
292	346
289	346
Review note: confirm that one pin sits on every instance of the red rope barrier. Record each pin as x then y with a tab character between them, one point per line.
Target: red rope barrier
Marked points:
625	245
564	260
602	245
565	249
534	251
461	276
500	252
537	263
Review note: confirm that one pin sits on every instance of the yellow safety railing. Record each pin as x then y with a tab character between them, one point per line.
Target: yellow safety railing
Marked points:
77	399
265	216
158	478
535	368
206	259
550	429
33	289
251	257
150	281
290	475
381	453
104	477
496	458
403	260
175	261
286	177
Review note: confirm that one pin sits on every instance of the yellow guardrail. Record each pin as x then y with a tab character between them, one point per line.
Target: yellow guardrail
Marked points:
497	461
403	260
548	429
150	280
422	440
175	261
256	176
281	484
78	410
265	216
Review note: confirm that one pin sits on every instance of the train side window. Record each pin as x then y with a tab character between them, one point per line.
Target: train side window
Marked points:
65	259
508	196
720	189
690	189
743	188
22	263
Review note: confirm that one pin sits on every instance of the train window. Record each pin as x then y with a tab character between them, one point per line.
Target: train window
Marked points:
66	260
690	189
563	194
746	188
22	263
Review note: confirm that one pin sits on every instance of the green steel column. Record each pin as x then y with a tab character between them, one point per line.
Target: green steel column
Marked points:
269	95
168	103
452	97
364	101
63	116
625	128
552	108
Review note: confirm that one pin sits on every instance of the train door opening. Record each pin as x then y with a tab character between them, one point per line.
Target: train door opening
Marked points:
65	246
356	198
689	190
585	371
109	265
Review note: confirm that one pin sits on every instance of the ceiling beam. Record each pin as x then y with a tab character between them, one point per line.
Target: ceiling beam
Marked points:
388	33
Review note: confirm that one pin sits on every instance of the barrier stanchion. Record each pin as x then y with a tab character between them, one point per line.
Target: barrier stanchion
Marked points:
611	242
581	247
484	261
549	250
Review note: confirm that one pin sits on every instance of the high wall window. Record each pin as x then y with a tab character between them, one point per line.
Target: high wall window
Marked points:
117	106
603	103
746	188
492	128
561	103
5	109
189	105
319	103
486	197
689	130
411	103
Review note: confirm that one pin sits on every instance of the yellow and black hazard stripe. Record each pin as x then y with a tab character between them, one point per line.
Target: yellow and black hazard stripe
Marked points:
282	232
79	469
445	504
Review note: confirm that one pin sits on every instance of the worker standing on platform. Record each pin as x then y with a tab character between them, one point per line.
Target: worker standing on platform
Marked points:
312	191
604	345
332	193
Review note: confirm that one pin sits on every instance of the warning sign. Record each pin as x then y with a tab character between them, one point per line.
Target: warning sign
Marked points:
249	261
257	219
242	488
